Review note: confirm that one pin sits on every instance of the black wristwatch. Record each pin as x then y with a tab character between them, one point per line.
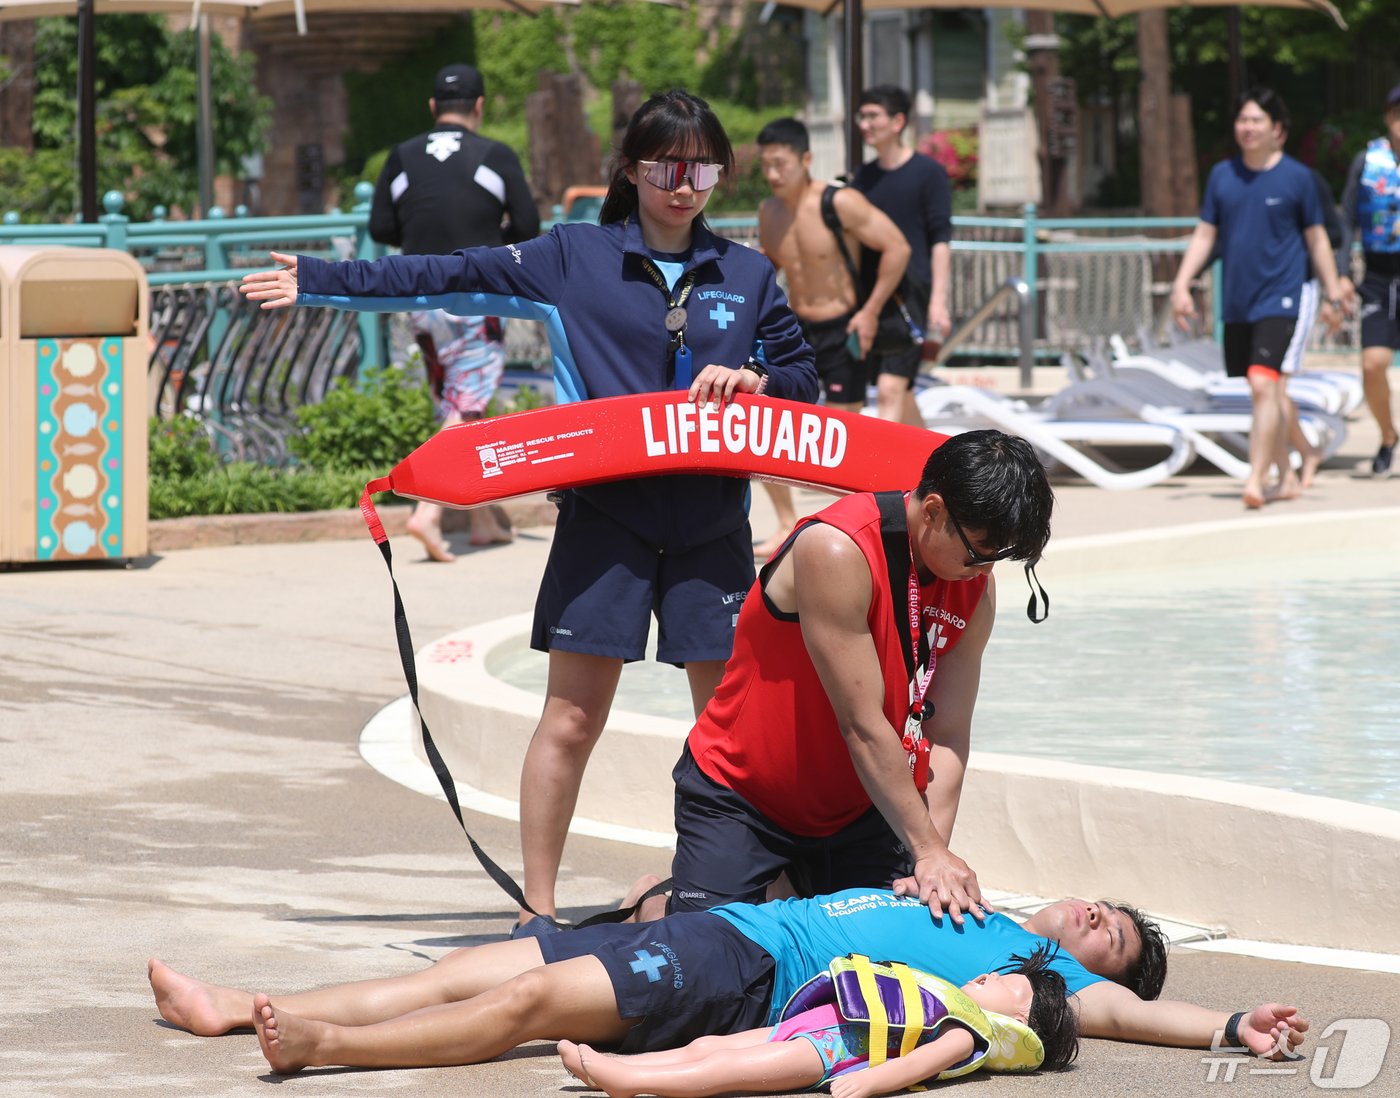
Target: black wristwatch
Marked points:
761	370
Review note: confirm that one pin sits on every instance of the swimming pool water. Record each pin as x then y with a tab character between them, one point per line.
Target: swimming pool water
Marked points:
1279	673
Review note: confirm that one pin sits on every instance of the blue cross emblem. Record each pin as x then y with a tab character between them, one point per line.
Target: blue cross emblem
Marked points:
649	963
721	315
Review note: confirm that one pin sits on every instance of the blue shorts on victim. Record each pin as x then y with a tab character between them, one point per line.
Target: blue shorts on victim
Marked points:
681	977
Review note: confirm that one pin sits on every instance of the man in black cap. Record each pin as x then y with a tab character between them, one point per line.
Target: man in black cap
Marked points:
1369	204
447	189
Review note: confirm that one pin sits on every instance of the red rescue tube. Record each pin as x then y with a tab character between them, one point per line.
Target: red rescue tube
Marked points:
654	434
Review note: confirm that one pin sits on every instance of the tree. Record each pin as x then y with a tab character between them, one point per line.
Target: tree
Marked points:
146	117
660	46
1322	72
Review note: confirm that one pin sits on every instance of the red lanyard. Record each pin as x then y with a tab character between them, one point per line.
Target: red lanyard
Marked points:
914	741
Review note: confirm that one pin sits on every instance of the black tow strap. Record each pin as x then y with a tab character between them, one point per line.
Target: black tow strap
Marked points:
894	534
435	759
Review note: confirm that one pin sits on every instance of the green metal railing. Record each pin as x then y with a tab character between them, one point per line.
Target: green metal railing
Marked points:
218	249
987	251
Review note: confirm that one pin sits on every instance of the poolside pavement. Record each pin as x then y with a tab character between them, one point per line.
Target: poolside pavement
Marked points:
179	764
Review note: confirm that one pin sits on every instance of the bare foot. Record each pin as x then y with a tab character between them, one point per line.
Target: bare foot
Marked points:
1288	487
651	909
1311	463
430	534
206	1010
1253	497
489	528
431	538
573	1060
287	1041
607	1073
502	518
765	549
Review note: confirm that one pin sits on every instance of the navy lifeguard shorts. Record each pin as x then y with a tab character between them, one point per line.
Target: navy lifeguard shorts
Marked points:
603	583
729	852
682	977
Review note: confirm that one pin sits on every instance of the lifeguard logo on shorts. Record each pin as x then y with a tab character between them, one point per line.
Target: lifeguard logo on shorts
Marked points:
758	430
650	964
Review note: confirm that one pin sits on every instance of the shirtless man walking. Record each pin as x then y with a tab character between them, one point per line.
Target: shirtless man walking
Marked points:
795	236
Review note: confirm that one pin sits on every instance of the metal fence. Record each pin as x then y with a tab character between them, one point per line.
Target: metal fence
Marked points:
243	371
240	370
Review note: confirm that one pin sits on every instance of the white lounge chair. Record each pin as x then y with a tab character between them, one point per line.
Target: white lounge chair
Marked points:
1200	364
1217	432
1069	442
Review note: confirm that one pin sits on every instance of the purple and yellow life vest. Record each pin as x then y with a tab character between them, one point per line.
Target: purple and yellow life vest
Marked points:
894	999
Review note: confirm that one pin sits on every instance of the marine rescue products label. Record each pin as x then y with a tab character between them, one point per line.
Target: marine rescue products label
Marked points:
500	455
759	430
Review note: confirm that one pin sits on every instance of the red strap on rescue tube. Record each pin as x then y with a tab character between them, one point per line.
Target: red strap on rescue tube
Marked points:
367	510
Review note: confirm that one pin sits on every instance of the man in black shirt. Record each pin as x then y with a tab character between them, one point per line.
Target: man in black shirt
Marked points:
914	191
444	190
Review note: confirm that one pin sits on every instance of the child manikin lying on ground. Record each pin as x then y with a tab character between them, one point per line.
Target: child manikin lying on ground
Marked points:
867	1030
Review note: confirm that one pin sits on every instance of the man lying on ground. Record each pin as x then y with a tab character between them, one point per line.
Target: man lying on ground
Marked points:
648	986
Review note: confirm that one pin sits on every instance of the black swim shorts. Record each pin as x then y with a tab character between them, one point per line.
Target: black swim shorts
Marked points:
1380	304
1273	342
842	377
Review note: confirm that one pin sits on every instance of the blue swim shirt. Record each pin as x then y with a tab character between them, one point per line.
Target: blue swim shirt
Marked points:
804	935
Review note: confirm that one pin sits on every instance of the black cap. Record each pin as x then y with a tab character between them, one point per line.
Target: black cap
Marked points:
458	82
1393	98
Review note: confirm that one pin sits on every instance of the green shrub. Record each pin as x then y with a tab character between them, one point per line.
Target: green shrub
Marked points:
246	488
374	424
524	399
355	435
179	448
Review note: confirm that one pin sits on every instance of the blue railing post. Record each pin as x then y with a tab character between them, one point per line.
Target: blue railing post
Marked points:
216	259
1030	303
114	222
374	330
215	254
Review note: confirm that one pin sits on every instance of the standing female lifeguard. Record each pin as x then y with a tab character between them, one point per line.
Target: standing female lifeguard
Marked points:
648	300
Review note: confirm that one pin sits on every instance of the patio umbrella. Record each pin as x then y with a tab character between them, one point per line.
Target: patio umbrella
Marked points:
1112	9
87	10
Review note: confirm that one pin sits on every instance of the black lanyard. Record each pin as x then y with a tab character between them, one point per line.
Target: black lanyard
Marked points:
676	320
916	643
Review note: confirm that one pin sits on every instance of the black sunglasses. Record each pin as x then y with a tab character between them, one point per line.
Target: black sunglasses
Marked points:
974	558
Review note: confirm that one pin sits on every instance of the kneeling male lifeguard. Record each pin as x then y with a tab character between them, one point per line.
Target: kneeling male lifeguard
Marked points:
801	762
